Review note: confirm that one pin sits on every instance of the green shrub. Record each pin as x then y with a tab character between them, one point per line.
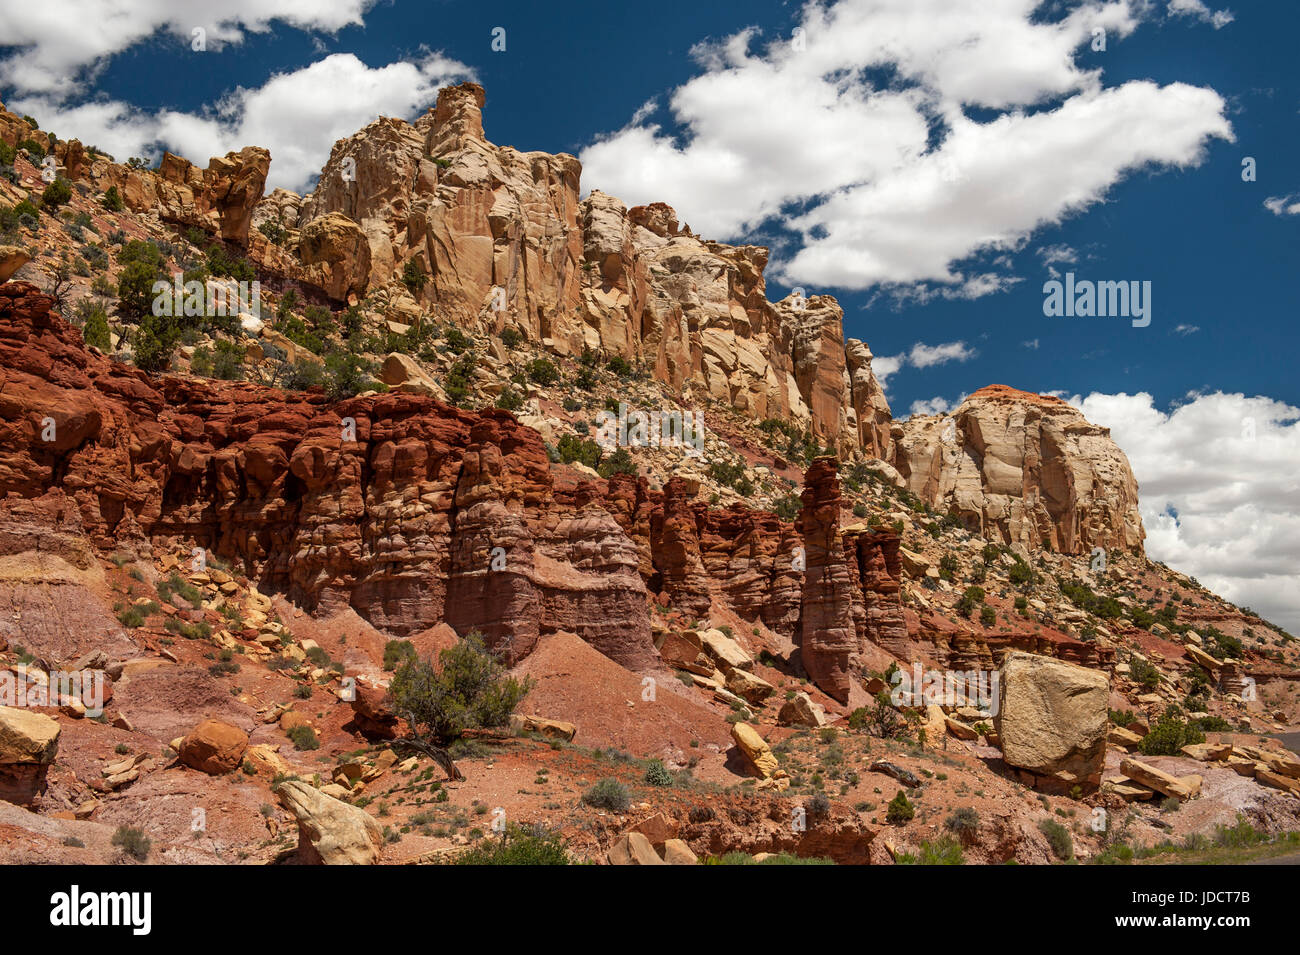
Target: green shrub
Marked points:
900	809
1144	672
471	690
608	794
787	507
56	194
988	616
303	737
346	375
657	774
413	277
1021	574
510	400
972	598
583	450
397	652
1058	837
133	842
518	846
112	200
943	851
964	821
543	372
93	319
1169	736
620	462
135	288
303	375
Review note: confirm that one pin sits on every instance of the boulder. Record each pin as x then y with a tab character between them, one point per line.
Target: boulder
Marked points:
677	852
214	747
1203	659
1122	737
12	259
28	744
555	729
27	738
266	757
726	651
1052	718
751	688
800	710
1208	752
960	730
1184	788
331	832
756	750
633	848
404	372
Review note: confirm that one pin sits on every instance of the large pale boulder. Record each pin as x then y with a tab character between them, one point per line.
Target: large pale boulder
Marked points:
336	255
756	750
28	743
331	832
801	710
1184	787
1052	718
404	372
12	259
27	737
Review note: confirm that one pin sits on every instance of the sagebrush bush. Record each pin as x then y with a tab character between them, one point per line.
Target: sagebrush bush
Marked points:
608	794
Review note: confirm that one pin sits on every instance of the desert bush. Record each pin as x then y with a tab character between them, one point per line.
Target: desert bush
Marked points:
1058	837
608	794
900	809
133	842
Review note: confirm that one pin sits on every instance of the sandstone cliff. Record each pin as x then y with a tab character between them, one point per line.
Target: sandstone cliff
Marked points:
1021	468
506	240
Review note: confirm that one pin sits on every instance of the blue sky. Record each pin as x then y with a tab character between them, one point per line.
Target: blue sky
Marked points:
1122	163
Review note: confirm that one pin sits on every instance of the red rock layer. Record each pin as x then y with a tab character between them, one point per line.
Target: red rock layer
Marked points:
407	510
413	513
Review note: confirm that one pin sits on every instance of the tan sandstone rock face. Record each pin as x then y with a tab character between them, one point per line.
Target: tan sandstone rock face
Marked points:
1024	469
1052	718
331	832
219	199
506	241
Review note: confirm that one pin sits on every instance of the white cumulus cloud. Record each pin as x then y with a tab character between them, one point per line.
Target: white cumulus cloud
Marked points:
804	131
1197	8
59	47
1283	205
1219	482
296	115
